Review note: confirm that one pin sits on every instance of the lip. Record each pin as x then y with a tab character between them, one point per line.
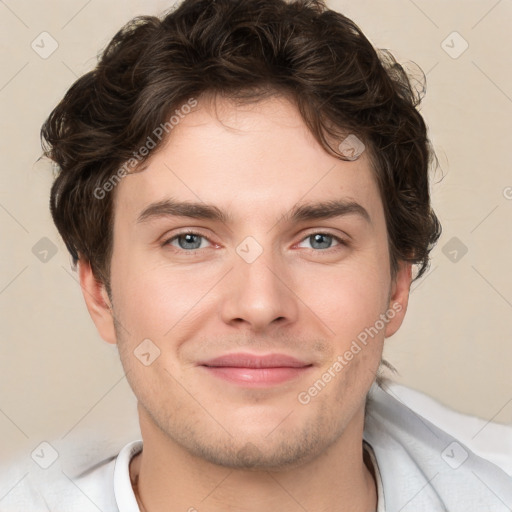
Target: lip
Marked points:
246	360
256	370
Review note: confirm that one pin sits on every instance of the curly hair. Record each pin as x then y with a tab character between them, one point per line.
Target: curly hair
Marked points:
244	51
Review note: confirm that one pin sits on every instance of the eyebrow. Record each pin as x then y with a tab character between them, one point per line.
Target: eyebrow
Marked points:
299	213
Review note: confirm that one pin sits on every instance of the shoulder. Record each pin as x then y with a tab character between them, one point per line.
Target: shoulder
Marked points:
64	485
423	467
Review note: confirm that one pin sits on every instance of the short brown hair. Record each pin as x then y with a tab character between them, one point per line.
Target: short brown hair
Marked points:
242	50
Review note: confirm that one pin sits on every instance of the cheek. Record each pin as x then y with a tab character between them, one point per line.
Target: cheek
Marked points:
156	301
348	298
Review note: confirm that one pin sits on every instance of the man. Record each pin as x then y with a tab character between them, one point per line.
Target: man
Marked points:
244	186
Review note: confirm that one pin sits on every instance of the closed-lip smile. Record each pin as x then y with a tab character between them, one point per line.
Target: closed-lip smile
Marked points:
256	370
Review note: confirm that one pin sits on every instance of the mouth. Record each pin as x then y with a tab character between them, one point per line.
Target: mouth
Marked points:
256	371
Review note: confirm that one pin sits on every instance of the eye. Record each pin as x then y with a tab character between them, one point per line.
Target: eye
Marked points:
191	241
323	241
187	241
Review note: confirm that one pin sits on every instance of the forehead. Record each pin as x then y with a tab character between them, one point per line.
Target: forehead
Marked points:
253	160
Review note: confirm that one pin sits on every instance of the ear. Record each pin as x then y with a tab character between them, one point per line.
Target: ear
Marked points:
399	298
97	301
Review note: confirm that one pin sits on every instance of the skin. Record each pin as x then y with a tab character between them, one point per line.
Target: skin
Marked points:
208	443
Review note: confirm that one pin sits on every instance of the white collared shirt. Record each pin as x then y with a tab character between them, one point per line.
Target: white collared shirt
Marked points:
418	468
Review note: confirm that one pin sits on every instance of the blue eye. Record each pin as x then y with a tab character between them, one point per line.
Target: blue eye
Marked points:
191	241
187	241
323	241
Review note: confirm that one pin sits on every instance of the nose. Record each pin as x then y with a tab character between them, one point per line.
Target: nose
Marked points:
259	295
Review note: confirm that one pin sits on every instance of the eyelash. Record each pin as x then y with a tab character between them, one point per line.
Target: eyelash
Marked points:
341	242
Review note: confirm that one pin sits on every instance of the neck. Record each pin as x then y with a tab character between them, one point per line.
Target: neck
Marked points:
168	478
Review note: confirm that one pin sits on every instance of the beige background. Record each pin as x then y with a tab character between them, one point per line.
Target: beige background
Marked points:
58	379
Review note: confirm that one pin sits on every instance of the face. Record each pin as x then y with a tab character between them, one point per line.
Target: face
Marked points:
285	255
